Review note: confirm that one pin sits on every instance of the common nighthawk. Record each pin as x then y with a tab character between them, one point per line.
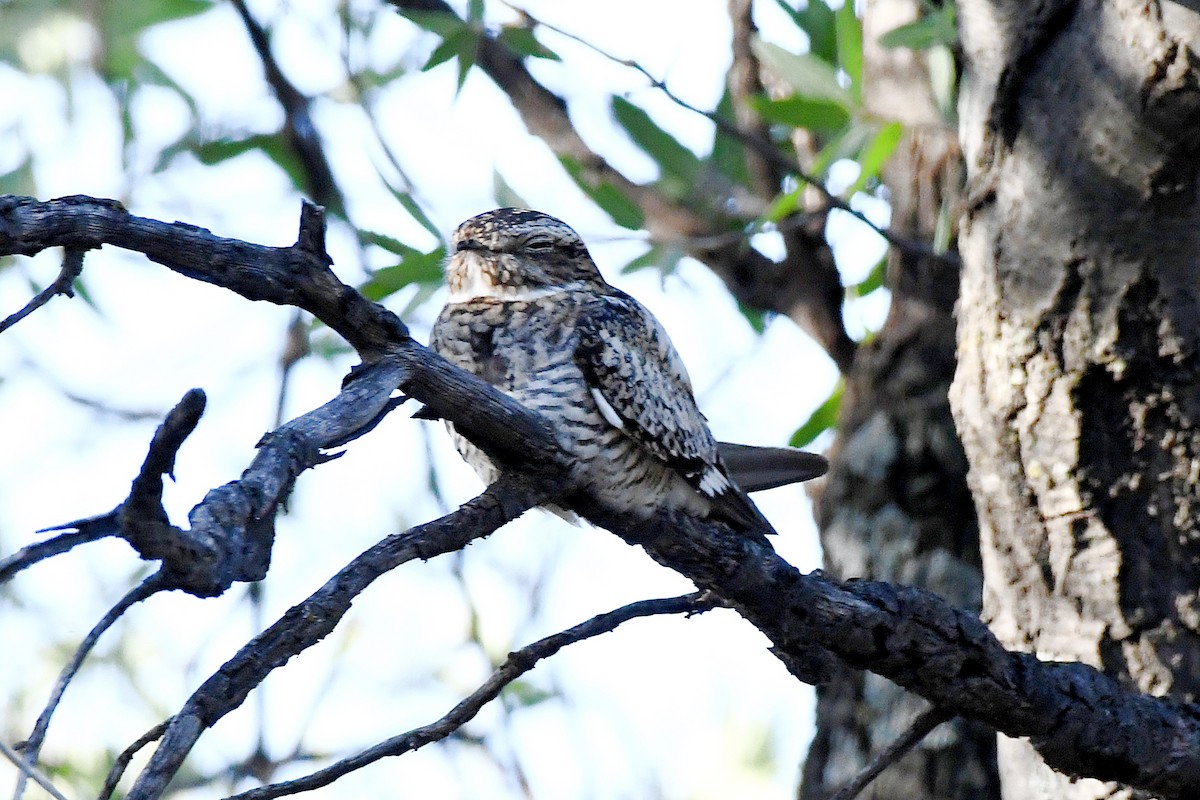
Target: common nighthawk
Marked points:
529	313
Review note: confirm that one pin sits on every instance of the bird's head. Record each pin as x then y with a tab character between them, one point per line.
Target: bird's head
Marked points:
517	254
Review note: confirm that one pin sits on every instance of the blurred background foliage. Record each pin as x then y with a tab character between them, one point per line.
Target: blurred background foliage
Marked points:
75	61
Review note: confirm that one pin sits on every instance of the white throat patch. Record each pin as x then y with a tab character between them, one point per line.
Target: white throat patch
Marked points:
475	284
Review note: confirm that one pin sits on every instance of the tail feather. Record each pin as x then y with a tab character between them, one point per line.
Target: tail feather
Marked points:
757	468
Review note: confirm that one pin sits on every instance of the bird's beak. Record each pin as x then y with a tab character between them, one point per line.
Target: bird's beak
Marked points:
468	244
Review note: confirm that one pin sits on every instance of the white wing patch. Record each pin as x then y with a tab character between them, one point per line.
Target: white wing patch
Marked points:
713	482
606	410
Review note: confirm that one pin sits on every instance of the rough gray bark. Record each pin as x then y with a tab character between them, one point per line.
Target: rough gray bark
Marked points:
1077	393
896	505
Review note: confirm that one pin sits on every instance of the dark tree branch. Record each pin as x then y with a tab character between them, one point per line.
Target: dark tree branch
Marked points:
803	287
33	744
142	518
298	124
756	138
31	554
921	727
744	83
233	528
313	619
122	760
29	770
1082	722
64	284
516	665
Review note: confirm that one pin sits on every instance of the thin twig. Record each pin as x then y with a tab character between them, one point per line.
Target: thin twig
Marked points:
314	618
122	762
301	131
71	267
30	770
295	347
31	554
921	727
764	148
33	744
516	665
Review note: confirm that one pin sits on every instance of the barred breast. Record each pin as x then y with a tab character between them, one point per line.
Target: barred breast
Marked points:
528	350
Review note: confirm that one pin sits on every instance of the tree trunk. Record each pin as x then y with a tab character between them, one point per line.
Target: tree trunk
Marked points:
896	505
1076	393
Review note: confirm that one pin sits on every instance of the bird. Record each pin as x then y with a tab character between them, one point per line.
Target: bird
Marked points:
529	312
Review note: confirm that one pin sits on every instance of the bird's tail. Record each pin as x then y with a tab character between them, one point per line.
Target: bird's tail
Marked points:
757	468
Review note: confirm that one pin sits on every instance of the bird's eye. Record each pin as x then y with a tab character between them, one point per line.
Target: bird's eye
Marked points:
539	244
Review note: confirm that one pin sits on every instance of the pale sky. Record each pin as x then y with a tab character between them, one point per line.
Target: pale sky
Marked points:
664	707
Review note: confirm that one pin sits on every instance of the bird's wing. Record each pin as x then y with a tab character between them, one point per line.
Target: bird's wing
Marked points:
641	387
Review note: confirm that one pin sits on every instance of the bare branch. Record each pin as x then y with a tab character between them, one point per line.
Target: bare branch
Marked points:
313	619
1083	722
921	727
295	347
29	770
516	665
63	284
31	554
805	287
122	761
33	744
298	124
1078	718
232	529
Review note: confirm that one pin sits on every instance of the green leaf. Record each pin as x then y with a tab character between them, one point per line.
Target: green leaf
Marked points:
122	23
218	150
522	42
755	316
424	292
80	288
850	46
147	72
936	28
389	243
475	11
817	21
821	420
943	233
672	158
785	204
410	205
443	23
802	112
875	153
19	180
664	258
805	73
873	281
523	694
468	50
272	145
611	200
447	49
728	153
505	195
414	267
847	143
943	80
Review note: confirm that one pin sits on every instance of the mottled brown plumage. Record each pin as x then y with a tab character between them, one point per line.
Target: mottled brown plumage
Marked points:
530	313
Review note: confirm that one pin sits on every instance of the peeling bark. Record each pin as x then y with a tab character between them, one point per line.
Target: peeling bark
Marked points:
1077	393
